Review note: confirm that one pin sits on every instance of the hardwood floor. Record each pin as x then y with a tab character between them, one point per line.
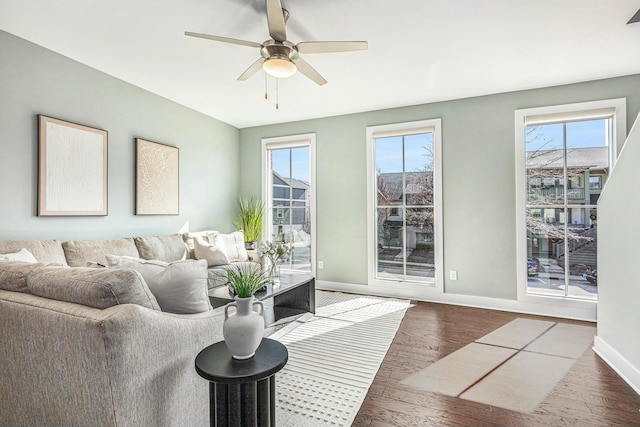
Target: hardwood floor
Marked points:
591	394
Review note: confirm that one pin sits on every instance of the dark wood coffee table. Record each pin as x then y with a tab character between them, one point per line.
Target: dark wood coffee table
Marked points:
295	295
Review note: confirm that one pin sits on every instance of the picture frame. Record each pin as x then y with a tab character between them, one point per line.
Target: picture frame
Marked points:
72	169
157	178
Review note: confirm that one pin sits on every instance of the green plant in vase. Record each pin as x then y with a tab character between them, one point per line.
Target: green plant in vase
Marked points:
247	279
243	329
250	217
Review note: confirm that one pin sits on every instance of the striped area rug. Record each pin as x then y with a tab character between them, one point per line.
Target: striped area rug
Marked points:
334	357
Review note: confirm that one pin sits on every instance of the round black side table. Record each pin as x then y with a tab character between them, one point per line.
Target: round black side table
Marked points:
242	392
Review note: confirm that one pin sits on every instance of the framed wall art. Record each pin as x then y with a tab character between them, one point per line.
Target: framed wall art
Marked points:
157	178
72	169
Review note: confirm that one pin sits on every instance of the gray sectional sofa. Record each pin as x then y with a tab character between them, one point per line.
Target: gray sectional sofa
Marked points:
86	346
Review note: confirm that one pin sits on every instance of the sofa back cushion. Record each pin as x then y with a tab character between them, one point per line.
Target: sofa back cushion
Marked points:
79	252
94	287
44	251
167	248
13	275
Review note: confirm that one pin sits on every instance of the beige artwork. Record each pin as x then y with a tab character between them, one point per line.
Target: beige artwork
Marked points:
157	178
72	173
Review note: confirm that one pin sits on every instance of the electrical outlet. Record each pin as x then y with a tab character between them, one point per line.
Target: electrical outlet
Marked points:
453	275
320	265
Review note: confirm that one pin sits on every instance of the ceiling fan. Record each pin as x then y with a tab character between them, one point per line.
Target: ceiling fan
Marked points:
281	58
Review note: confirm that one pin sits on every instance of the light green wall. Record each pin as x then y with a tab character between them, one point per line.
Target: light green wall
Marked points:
478	180
34	80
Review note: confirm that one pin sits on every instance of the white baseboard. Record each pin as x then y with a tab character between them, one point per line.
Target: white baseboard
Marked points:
586	312
629	373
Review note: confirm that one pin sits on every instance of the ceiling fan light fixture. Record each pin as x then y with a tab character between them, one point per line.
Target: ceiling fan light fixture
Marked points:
280	68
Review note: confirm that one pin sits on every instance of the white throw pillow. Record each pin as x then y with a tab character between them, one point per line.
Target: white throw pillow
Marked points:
233	245
179	287
213	251
22	255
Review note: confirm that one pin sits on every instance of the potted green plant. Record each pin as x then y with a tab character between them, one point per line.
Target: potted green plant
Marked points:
251	214
243	330
246	279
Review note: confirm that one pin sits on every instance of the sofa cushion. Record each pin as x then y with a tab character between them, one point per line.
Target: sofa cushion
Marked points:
13	275
233	244
213	252
22	255
45	251
179	287
188	240
93	287
167	248
79	252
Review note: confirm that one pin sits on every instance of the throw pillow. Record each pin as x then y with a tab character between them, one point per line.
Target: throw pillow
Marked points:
214	251
179	287
22	255
233	244
188	240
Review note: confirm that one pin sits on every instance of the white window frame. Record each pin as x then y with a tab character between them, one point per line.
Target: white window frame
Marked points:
567	112
290	141
398	129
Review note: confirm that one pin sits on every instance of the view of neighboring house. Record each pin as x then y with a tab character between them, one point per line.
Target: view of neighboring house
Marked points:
587	169
291	218
405	227
419	228
562	216
290	205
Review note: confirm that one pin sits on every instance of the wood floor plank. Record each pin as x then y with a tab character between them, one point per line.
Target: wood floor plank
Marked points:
591	394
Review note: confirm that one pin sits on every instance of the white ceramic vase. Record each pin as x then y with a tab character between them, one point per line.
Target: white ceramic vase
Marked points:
243	330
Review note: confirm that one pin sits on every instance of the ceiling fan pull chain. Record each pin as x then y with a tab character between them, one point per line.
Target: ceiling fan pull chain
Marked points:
266	88
277	95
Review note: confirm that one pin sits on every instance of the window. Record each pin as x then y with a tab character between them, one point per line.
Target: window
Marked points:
570	145
288	179
404	203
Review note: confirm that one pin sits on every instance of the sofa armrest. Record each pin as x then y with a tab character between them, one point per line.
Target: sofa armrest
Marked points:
68	364
151	357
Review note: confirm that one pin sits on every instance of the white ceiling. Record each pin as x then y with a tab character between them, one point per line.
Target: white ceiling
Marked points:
420	51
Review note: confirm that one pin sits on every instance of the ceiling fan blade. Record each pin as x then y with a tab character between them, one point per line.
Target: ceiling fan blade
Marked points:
275	20
223	39
253	68
309	71
330	47
635	18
